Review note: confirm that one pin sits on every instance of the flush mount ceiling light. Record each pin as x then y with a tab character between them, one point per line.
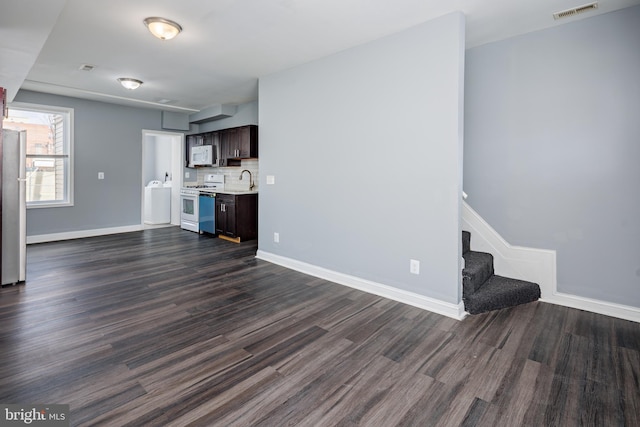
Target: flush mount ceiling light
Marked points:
129	83
163	29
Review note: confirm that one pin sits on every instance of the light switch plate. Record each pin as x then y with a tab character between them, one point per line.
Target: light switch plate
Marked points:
271	179
100	175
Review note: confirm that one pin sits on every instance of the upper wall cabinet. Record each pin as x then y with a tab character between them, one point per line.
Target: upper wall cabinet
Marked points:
237	144
212	138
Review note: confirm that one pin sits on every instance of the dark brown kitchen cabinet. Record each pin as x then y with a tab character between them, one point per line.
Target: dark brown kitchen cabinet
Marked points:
238	143
235	144
212	138
237	216
228	146
247	144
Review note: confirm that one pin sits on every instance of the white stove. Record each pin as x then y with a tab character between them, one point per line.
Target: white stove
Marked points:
189	200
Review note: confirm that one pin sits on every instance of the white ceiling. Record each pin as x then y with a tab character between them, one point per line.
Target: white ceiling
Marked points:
226	45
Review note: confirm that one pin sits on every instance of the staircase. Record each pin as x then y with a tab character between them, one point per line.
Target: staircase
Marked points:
484	291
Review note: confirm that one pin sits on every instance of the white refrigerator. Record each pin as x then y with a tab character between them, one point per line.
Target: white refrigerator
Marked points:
14	207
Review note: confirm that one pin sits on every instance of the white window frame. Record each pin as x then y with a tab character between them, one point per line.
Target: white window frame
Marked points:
68	126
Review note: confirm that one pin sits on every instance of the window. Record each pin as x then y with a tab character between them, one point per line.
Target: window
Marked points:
49	171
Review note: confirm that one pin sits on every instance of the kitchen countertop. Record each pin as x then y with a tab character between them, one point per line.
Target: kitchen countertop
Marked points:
225	191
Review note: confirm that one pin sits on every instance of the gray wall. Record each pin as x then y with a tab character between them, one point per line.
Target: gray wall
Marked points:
107	138
366	150
552	145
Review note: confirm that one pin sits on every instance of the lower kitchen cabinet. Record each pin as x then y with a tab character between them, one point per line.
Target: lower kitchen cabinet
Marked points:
237	216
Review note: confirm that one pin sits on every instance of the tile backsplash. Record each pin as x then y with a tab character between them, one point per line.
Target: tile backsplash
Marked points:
232	175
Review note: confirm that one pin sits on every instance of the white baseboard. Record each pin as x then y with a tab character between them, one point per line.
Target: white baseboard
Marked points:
595	306
455	311
54	237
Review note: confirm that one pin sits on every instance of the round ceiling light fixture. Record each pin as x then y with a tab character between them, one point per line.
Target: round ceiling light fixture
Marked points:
163	29
129	83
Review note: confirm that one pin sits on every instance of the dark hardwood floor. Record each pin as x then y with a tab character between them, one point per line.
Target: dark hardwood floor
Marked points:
165	327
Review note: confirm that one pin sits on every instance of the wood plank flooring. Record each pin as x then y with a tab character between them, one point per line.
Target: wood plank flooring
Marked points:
168	328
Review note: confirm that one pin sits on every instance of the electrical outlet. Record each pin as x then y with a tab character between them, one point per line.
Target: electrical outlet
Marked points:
271	179
414	266
276	237
187	174
100	175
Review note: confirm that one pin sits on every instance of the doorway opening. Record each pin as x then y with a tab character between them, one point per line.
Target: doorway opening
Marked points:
162	160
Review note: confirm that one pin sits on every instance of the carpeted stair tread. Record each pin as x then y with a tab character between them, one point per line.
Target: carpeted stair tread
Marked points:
500	292
478	268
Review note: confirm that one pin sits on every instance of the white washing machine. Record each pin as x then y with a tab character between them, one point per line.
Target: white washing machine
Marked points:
157	203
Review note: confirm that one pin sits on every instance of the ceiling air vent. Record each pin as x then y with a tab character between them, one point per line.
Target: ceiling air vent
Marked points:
86	67
576	10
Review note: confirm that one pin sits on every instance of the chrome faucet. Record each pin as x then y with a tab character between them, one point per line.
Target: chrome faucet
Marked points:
250	178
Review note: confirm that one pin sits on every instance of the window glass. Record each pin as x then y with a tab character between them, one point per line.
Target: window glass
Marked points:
48	156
